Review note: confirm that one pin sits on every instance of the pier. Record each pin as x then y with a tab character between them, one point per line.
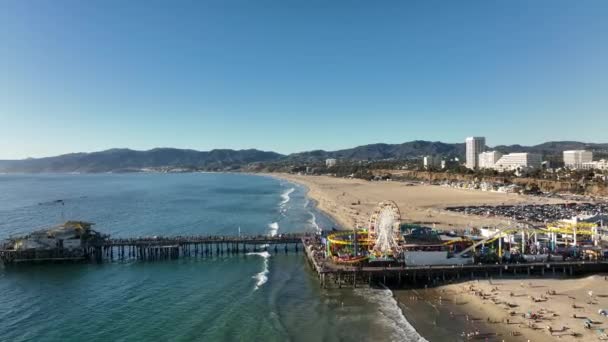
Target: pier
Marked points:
332	275
75	241
157	248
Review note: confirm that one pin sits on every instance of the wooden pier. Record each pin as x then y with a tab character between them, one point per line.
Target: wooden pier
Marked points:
158	248
331	275
161	248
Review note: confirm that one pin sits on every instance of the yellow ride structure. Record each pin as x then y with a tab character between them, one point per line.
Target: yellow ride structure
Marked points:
569	232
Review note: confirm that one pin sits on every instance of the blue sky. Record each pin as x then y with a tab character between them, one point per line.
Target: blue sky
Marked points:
298	75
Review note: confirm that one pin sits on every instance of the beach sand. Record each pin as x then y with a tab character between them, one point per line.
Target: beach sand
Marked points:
351	201
559	309
450	312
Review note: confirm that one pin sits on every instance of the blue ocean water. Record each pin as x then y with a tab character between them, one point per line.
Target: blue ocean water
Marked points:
257	297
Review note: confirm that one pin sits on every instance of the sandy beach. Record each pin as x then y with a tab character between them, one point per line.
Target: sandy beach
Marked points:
351	201
513	309
517	309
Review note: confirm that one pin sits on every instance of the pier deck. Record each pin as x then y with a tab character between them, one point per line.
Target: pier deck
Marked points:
330	274
156	248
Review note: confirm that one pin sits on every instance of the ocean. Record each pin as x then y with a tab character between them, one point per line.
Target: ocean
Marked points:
256	297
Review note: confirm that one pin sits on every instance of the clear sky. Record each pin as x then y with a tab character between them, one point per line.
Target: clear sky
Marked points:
290	76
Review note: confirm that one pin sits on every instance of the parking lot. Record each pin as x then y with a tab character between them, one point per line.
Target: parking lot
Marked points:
535	213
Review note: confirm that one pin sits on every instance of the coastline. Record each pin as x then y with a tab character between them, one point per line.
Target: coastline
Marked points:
320	201
351	201
476	308
531	309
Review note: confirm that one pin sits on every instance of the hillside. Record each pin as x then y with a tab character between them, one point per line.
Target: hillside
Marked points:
124	160
129	160
385	151
555	148
420	148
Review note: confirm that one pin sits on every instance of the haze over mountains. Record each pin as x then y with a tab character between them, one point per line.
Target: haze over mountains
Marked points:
125	160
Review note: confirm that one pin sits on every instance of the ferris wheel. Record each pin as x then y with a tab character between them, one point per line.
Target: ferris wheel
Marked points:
385	228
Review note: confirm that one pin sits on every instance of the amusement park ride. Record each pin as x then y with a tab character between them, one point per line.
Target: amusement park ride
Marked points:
383	241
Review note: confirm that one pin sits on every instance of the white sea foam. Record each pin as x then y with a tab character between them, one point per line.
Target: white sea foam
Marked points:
273	228
390	314
313	222
262	277
285	196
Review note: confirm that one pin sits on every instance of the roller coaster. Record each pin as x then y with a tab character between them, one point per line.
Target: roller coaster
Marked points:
568	231
382	239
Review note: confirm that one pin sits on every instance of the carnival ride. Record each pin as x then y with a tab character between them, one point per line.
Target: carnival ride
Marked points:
348	247
385	230
380	241
383	240
562	233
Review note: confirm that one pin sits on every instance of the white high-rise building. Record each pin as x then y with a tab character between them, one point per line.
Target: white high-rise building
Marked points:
576	158
518	161
487	160
431	162
474	145
330	162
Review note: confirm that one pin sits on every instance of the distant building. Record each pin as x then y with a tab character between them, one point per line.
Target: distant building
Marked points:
576	158
518	161
596	165
330	162
487	160
431	162
474	146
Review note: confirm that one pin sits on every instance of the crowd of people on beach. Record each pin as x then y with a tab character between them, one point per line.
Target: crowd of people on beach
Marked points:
535	213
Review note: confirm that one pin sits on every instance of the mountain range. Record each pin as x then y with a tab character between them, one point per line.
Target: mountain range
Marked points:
125	160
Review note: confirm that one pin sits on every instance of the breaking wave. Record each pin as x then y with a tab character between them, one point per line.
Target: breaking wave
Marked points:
313	222
390	314
273	228
285	196
262	277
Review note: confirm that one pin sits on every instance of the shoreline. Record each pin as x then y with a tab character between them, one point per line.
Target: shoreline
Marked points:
350	202
316	199
455	310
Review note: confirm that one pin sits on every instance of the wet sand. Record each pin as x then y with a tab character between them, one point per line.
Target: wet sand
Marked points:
439	315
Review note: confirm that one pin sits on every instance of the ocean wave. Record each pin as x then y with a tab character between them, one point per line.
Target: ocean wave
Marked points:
313	222
391	315
273	228
262	277
285	196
